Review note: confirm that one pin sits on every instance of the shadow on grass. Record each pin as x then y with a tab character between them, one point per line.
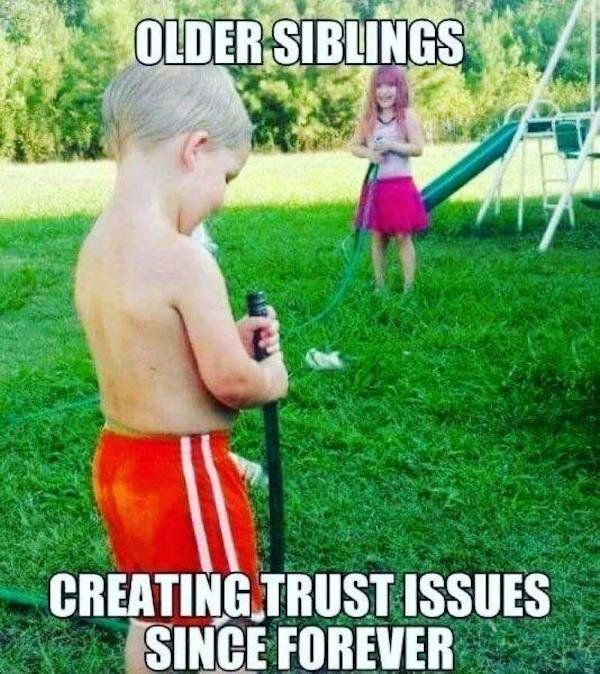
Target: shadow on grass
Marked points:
490	281
455	218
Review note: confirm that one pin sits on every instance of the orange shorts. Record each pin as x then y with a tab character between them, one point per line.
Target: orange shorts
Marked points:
176	505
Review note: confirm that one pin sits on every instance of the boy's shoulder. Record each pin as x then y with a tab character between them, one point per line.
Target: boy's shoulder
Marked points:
192	264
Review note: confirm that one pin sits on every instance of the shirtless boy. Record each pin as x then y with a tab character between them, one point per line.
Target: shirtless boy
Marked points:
172	364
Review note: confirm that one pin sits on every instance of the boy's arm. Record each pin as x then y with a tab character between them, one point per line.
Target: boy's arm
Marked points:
227	371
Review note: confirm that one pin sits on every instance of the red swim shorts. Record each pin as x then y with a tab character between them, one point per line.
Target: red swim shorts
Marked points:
176	505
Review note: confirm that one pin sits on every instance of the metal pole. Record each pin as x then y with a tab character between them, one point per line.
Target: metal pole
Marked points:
566	195
593	71
257	306
593	52
522	185
542	84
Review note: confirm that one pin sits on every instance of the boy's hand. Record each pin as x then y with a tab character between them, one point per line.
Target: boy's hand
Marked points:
269	332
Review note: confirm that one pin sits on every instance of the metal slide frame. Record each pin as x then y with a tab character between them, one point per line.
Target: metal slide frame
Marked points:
539	135
531	113
574	175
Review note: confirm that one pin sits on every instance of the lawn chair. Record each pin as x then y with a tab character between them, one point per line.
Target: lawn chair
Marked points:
570	136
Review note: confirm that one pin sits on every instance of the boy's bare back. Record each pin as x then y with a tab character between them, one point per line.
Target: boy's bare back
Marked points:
170	358
129	285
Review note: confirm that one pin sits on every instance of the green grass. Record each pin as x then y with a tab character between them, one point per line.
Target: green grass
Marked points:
461	437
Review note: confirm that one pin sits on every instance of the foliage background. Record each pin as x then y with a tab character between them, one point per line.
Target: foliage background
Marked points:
56	57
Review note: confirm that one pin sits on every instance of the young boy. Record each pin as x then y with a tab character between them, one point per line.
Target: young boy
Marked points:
172	365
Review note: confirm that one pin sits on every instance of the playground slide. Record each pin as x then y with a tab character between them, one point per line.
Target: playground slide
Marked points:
486	153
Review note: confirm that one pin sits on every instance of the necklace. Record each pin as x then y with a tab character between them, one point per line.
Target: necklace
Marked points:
389	120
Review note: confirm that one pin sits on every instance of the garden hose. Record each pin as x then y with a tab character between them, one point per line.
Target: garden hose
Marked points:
276	508
361	236
31	601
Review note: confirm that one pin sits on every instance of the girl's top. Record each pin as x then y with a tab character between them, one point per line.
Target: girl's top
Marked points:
391	164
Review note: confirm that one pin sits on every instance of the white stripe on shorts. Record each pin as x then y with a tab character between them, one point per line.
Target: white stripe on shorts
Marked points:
189	476
217	491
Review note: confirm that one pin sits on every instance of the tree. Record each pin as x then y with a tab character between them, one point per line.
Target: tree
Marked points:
100	47
39	40
7	131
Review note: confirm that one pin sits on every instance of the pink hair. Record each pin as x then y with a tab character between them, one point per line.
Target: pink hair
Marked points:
388	74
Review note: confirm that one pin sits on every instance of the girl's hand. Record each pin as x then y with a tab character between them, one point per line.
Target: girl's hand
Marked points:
374	156
380	145
269	332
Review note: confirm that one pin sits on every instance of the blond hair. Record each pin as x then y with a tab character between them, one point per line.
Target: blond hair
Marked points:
153	103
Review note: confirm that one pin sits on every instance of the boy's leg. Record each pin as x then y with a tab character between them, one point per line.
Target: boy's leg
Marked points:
135	649
408	259
378	247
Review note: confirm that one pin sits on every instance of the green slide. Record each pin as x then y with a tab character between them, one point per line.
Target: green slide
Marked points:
486	153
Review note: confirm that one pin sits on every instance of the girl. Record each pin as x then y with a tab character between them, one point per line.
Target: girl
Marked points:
389	133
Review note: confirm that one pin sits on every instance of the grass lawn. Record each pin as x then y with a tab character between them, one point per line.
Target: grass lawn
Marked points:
460	438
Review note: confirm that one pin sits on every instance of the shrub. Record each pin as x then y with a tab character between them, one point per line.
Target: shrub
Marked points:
56	57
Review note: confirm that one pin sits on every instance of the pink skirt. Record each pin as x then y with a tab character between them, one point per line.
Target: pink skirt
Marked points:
391	206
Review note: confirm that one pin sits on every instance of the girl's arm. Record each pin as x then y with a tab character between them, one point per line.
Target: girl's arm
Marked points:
359	149
415	141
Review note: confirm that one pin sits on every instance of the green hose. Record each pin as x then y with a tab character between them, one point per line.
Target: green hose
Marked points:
360	238
26	600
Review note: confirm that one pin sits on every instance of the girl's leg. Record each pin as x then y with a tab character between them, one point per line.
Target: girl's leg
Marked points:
408	260
378	247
